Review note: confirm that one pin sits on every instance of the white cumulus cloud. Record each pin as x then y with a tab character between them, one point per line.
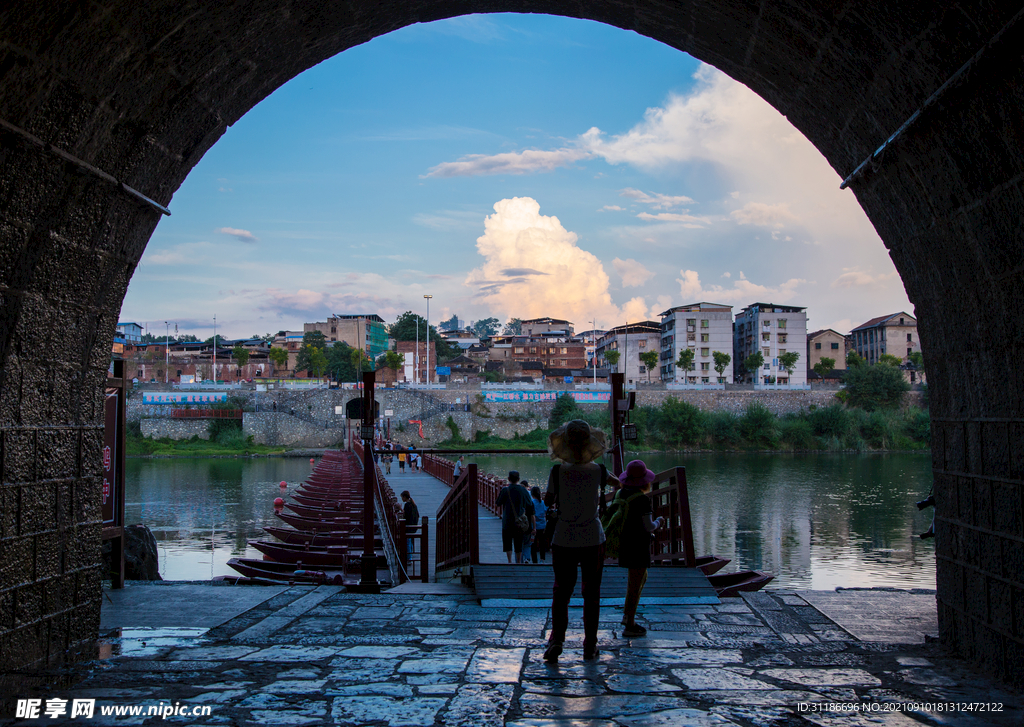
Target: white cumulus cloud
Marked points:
533	267
633	273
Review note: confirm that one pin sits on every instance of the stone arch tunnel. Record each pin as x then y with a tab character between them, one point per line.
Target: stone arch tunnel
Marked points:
106	106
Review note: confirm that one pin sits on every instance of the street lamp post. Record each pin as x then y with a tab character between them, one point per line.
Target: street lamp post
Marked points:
167	356
213	367
428	297
416	355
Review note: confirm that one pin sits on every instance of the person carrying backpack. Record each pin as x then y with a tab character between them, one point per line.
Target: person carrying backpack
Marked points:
517	517
578	538
633	516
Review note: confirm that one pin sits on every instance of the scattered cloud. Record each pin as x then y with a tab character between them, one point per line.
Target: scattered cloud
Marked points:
563	280
514	162
853	278
185	254
611	208
743	290
521	272
633	273
656	200
243	235
726	275
690	220
764	215
448	220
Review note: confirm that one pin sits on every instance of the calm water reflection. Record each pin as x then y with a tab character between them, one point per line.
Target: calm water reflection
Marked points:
815	521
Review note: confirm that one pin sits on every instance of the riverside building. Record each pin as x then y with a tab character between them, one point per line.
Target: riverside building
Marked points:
773	330
702	328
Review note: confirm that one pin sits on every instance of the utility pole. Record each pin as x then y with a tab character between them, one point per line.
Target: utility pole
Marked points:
416	356
213	366
167	355
428	297
593	343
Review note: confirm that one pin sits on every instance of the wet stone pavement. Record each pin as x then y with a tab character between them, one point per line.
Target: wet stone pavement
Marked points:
319	656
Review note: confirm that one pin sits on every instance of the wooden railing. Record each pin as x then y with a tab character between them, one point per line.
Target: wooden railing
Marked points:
457	536
670	499
390	508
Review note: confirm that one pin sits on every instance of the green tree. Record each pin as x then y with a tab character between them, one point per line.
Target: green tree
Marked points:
887	359
875	387
304	359
685	360
318	362
315	339
514	327
753	364
391	360
788	361
612	357
360	361
917	358
451	324
405	329
825	366
853	360
339	362
241	355
486	327
278	357
721	362
650	359
680	422
565	409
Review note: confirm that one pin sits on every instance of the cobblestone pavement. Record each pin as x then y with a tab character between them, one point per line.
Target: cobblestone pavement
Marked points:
316	656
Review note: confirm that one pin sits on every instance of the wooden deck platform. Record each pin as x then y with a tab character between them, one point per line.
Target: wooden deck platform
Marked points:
506	585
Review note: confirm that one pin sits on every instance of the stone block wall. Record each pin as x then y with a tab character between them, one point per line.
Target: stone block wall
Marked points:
279	429
177	429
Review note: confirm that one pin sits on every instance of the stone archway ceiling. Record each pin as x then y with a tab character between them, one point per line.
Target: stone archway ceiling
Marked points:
125	95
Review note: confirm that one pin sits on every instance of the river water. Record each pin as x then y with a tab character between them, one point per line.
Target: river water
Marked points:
814	520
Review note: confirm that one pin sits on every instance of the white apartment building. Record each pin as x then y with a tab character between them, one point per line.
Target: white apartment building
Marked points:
630	341
773	330
702	328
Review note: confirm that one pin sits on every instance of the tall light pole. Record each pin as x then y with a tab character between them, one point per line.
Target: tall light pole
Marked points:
167	355
593	343
428	297
416	355
214	366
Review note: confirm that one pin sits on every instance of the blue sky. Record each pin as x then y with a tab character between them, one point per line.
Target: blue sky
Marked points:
509	165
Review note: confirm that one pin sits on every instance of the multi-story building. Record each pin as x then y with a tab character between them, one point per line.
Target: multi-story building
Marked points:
702	328
367	332
415	360
773	330
130	331
630	341
537	326
826	343
894	334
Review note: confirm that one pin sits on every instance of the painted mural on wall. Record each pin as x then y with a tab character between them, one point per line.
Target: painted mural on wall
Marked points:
183	397
581	397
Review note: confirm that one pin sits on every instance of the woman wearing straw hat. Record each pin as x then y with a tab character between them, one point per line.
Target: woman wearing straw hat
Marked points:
635	541
578	538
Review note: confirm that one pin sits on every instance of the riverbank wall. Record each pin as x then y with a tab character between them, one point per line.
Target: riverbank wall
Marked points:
321	418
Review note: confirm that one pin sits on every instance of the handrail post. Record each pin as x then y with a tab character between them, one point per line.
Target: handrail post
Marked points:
683	499
368	563
474	517
424	544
